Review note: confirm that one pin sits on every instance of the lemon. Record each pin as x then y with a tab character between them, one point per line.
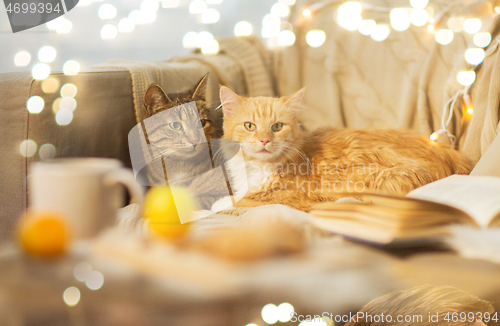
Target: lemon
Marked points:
44	234
163	212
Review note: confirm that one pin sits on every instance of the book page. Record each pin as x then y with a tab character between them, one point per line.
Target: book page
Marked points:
478	196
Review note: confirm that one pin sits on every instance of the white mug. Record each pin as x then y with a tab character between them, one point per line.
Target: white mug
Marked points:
84	190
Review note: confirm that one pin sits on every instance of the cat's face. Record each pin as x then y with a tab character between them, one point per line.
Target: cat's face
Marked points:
266	128
177	123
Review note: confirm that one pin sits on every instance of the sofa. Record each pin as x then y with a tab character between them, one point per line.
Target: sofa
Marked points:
351	81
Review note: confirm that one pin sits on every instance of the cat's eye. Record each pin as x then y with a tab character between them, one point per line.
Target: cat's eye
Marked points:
277	127
175	125
202	123
250	126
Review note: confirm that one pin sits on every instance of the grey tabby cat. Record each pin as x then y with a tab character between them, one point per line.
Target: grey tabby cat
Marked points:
178	137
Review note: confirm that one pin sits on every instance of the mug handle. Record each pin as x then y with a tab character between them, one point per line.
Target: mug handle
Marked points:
126	178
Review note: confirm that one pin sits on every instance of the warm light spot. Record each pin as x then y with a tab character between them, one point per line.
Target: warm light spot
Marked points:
466	78
419	4
271	19
270	31
64	27
69	90
474	56
315	38
470	110
280	10
285	311
286	38
497	10
212	48
482	39
27	148
64	117
400	19
126	25
380	32
107	11
68	103
430	28
35	104
47	151
366	26
472	25
210	16
22	59
444	36
152	5
456	24
349	15
204	39
243	28
71	67
50	85
419	17
40	71
433	136
108	31
306	12
82	271
94	280
56	105
170	3
71	296
189	40
197	6
270	313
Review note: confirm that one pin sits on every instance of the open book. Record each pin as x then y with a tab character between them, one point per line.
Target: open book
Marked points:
427	213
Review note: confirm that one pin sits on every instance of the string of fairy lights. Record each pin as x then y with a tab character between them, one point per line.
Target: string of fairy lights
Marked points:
276	30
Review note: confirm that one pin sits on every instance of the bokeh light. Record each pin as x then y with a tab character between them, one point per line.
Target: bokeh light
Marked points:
71	296
419	17
69	90
466	78
64	26
108	32
306	12
482	39
27	148
189	41
444	36
214	2
243	28
170	3
82	271
270	31
47	151
271	19
204	39
68	103
366	26
474	56
285	311
380	32
210	16
47	54
22	59
107	11
472	25
35	104
419	4
315	38
50	85
349	15
152	5
197	6
40	71
286	38
126	25
212	48
270	313
456	23
400	19
71	67
56	105
64	117
94	280
280	10
288	2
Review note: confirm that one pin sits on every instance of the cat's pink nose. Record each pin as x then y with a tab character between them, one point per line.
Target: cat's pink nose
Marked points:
264	141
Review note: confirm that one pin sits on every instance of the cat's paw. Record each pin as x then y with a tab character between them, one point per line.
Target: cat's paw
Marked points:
222	204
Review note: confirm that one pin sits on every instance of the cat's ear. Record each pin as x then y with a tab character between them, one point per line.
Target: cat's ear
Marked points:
199	90
295	101
230	101
155	98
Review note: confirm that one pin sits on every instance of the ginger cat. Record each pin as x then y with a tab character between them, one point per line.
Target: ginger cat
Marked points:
286	165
